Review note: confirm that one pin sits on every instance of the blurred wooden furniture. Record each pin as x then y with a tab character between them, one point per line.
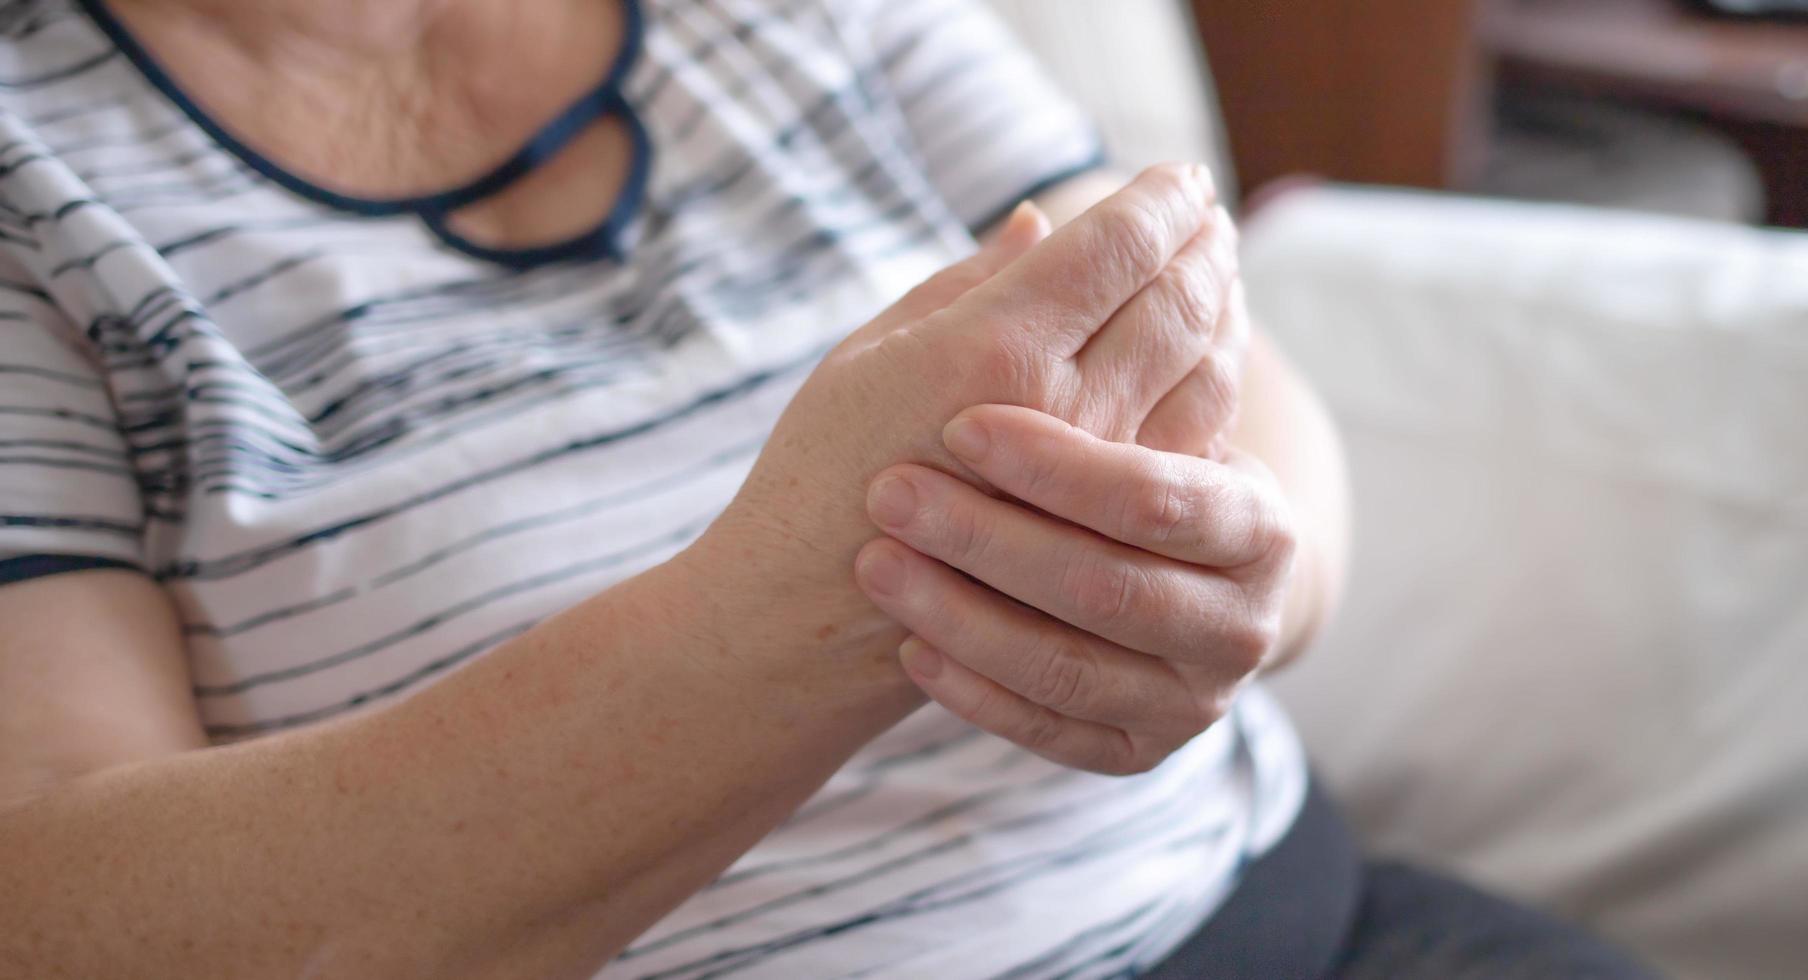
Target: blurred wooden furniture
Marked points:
1357	90
1398	91
1656	51
1749	78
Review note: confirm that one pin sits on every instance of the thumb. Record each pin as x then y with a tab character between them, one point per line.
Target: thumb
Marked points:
1023	230
1019	233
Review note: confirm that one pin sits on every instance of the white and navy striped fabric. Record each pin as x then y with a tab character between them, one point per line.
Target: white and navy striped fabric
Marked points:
359	451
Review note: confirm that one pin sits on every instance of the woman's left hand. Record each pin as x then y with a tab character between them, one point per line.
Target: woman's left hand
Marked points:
1104	624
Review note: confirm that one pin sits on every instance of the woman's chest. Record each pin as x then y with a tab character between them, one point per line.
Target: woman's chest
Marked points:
365	455
358	471
353	484
355	480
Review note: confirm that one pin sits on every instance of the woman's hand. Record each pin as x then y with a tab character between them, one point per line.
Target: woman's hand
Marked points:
1107	626
1116	323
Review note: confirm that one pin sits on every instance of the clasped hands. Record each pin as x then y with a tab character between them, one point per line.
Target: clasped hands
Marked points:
1102	614
1104	602
1083	563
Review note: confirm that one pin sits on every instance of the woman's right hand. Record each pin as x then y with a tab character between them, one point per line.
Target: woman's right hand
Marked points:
1121	323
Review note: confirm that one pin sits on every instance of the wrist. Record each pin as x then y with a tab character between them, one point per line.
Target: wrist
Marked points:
748	597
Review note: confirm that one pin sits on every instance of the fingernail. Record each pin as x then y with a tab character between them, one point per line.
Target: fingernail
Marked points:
1021	231
1006	228
892	502
881	571
920	658
967	439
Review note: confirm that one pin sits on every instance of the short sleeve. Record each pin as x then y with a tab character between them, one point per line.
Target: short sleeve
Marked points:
69	499
989	125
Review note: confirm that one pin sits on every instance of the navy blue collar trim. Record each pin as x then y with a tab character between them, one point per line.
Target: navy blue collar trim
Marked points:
605	100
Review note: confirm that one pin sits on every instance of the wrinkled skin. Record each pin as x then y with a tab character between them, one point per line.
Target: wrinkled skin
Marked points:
1126	323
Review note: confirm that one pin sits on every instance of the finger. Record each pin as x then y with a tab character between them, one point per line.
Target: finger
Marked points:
1192	418
1019	233
1028	653
1143	601
1022	230
989	707
1154	340
1278	561
1066	288
1189	509
1198	414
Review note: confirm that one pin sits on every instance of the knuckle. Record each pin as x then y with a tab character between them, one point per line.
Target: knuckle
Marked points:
1065	679
1206	709
1176	180
1272	534
1220	374
1038	730
1003	367
1044	474
1098	408
902	350
1226	506
1195	293
1159	508
1107	762
983	708
1210	392
931	608
1245	644
1254	529
1125	755
1100	593
1251	521
1136	230
1132	237
966	532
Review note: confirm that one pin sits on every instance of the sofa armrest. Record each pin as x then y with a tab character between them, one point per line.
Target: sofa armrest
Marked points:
1574	652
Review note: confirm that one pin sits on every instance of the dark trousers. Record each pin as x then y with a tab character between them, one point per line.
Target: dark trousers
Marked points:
1313	909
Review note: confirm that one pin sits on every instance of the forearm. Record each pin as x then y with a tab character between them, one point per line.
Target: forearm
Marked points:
527	816
1282	423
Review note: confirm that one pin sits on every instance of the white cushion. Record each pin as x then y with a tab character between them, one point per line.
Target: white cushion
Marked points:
1573	662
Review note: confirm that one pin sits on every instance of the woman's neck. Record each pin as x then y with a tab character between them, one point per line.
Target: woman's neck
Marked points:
385	97
329	28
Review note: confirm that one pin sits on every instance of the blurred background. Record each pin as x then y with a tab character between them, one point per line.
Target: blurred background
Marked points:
1551	281
1653	104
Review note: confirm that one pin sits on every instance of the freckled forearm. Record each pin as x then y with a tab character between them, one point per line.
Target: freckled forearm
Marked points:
529	815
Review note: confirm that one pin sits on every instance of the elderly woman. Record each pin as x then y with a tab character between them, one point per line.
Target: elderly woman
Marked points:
436	544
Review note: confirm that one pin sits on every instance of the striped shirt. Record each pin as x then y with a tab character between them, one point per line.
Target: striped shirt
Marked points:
358	450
